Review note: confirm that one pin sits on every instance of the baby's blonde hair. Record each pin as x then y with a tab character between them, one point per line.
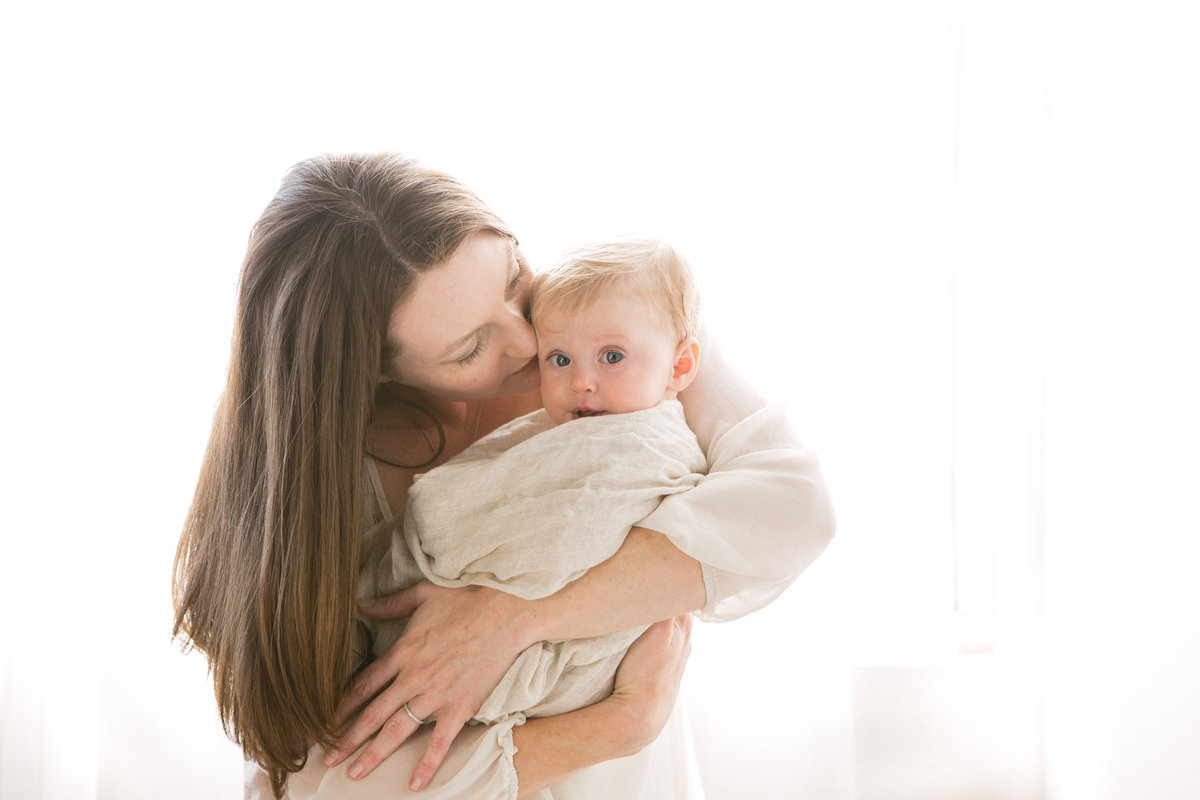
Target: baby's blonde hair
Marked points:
649	268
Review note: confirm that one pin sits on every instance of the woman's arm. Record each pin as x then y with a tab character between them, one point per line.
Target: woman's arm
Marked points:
459	640
485	764
762	514
648	579
552	748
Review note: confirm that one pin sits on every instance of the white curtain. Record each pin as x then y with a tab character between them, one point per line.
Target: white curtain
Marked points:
957	238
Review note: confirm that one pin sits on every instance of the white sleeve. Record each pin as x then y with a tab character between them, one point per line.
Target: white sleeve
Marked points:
762	514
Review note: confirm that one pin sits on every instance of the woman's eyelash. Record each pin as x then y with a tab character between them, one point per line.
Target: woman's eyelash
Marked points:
470	357
521	269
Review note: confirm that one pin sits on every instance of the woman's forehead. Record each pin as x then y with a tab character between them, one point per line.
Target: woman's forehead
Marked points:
451	301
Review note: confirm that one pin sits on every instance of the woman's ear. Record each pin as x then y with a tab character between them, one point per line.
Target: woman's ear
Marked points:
687	362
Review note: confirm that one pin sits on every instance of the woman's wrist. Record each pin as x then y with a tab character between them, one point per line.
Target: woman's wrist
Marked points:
647	580
528	622
632	723
550	749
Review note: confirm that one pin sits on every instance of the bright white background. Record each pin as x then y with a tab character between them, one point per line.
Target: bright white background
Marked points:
959	238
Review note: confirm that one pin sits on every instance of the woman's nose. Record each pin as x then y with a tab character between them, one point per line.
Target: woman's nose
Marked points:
522	341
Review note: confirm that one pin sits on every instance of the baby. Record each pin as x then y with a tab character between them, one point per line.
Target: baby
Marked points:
616	328
532	506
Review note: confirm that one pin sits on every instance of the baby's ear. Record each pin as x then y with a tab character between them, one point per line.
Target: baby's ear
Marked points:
687	361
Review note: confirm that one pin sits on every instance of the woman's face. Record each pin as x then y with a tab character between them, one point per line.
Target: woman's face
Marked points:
462	331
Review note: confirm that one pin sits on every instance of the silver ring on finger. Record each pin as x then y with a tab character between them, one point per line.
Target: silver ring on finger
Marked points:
413	716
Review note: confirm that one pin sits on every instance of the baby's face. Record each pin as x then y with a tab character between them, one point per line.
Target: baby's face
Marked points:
612	358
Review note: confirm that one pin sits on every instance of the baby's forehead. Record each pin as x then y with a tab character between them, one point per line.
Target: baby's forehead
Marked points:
573	330
555	323
609	305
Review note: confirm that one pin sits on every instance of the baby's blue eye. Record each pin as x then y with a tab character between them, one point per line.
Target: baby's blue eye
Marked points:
612	356
559	360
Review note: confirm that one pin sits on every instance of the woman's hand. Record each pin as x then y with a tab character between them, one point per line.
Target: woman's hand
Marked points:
648	679
550	749
453	653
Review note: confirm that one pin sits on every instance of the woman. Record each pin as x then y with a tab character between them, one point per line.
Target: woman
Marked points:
381	329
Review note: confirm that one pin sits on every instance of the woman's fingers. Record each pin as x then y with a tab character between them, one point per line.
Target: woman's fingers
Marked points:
385	669
659	653
367	684
680	647
383	712
683	629
395	606
444	732
649	677
455	648
393	733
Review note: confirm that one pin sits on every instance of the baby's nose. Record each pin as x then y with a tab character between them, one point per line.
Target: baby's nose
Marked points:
581	381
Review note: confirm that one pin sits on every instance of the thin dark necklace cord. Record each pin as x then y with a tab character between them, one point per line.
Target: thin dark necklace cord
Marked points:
441	445
437	451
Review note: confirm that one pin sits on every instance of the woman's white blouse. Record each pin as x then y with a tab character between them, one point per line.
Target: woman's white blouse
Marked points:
762	514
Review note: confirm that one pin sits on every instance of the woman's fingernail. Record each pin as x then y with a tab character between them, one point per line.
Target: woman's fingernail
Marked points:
366	602
356	770
332	758
415	785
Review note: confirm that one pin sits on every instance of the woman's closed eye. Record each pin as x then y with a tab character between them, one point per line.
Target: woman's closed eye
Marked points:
470	357
516	279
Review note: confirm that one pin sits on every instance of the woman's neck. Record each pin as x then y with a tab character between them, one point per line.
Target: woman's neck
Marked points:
411	430
400	447
420	408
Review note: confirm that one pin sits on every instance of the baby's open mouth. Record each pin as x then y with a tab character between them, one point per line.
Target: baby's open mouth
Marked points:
587	412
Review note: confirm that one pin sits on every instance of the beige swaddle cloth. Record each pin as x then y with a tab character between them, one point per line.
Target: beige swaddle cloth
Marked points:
530	508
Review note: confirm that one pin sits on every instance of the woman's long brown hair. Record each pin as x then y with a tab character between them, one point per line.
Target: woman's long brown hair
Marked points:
266	571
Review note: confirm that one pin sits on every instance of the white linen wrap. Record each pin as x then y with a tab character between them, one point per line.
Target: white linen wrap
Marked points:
530	508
